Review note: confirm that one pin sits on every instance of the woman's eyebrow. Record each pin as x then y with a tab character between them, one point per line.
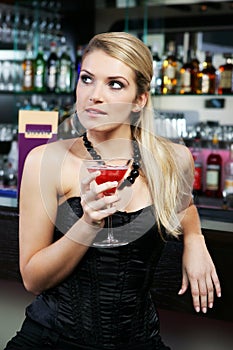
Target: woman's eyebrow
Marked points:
109	78
86	71
118	77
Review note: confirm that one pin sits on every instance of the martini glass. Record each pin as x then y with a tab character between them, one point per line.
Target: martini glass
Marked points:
110	170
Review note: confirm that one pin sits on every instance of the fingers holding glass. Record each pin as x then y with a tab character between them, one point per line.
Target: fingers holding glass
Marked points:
90	188
96	206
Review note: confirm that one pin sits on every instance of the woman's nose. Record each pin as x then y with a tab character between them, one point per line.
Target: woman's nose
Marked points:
96	99
97	94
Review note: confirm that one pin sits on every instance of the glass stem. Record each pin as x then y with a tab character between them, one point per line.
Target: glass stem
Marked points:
110	228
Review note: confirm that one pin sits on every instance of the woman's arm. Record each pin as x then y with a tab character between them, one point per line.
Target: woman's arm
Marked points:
198	267
44	263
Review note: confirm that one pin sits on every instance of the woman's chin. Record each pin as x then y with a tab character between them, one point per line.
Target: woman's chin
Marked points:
101	127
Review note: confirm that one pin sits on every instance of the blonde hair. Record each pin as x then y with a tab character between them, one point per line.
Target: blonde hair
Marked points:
159	165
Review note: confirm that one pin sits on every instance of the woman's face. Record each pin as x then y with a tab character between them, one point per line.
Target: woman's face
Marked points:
106	91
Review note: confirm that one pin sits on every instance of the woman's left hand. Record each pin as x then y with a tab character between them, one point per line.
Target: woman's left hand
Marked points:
199	271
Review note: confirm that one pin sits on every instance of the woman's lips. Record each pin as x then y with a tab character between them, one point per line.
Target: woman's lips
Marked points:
95	112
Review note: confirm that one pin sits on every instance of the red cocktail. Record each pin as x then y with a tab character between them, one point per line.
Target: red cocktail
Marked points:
109	173
110	170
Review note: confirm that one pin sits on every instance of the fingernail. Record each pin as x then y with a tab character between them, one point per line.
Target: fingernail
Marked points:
180	291
210	305
219	295
204	310
197	308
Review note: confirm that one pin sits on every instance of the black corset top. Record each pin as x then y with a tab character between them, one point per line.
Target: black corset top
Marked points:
106	301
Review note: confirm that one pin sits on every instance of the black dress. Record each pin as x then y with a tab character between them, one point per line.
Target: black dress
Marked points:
106	302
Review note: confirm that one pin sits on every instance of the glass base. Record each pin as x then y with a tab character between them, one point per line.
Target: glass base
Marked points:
108	243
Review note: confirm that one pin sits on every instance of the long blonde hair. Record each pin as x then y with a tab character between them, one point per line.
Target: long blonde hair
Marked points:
160	168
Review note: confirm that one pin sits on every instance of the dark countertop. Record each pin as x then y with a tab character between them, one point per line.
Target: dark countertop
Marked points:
215	214
212	211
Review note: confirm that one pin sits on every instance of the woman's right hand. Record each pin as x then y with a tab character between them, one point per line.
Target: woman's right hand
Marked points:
96	206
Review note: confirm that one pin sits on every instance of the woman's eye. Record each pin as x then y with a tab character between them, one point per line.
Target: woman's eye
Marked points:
86	79
116	84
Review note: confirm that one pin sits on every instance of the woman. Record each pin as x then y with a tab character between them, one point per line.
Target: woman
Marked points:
99	298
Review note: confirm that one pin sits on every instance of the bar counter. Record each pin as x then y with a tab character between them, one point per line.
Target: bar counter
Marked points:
217	227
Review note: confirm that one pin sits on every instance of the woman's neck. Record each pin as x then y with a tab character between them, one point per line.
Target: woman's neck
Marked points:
111	143
107	133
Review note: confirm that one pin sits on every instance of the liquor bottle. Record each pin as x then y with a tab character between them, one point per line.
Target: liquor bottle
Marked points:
1	171
207	77
28	69
195	71
64	78
79	55
11	165
169	71
198	165
180	62
52	68
186	72
10	176
13	155
228	180
225	76
5	75
39	71
156	80
214	171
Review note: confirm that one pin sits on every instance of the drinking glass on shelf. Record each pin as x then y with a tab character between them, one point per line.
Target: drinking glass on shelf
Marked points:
110	170
6	136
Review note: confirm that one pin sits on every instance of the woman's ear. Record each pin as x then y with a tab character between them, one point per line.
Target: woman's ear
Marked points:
140	102
136	108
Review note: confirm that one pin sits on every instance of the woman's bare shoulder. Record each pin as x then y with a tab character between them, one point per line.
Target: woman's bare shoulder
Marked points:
53	160
181	151
54	165
183	158
55	151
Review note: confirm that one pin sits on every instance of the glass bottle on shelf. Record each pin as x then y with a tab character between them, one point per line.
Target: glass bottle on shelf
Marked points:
225	76
228	178
198	165
207	77
39	71
13	155
64	77
6	76
193	45
79	54
1	172
180	62
52	68
214	171
186	72
10	176
169	71
28	69
195	71
156	79
18	76
1	76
